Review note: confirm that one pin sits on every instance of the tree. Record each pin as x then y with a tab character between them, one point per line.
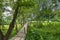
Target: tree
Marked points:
18	5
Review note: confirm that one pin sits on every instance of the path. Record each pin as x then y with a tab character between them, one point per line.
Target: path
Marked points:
21	34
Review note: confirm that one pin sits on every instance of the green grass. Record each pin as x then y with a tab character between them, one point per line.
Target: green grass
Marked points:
44	31
5	28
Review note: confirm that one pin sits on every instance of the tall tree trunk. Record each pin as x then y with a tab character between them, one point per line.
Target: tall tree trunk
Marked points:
11	26
1	35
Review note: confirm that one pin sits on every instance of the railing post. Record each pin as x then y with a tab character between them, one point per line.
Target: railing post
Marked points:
24	30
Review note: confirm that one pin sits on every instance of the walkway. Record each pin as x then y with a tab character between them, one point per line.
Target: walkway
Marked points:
21	34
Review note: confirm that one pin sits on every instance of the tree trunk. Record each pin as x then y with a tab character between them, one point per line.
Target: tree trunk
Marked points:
11	26
1	35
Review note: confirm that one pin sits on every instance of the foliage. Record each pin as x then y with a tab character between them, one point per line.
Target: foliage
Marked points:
4	30
49	31
32	10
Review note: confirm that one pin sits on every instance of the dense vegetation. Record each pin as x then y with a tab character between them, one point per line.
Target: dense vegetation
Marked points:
14	31
44	31
43	15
